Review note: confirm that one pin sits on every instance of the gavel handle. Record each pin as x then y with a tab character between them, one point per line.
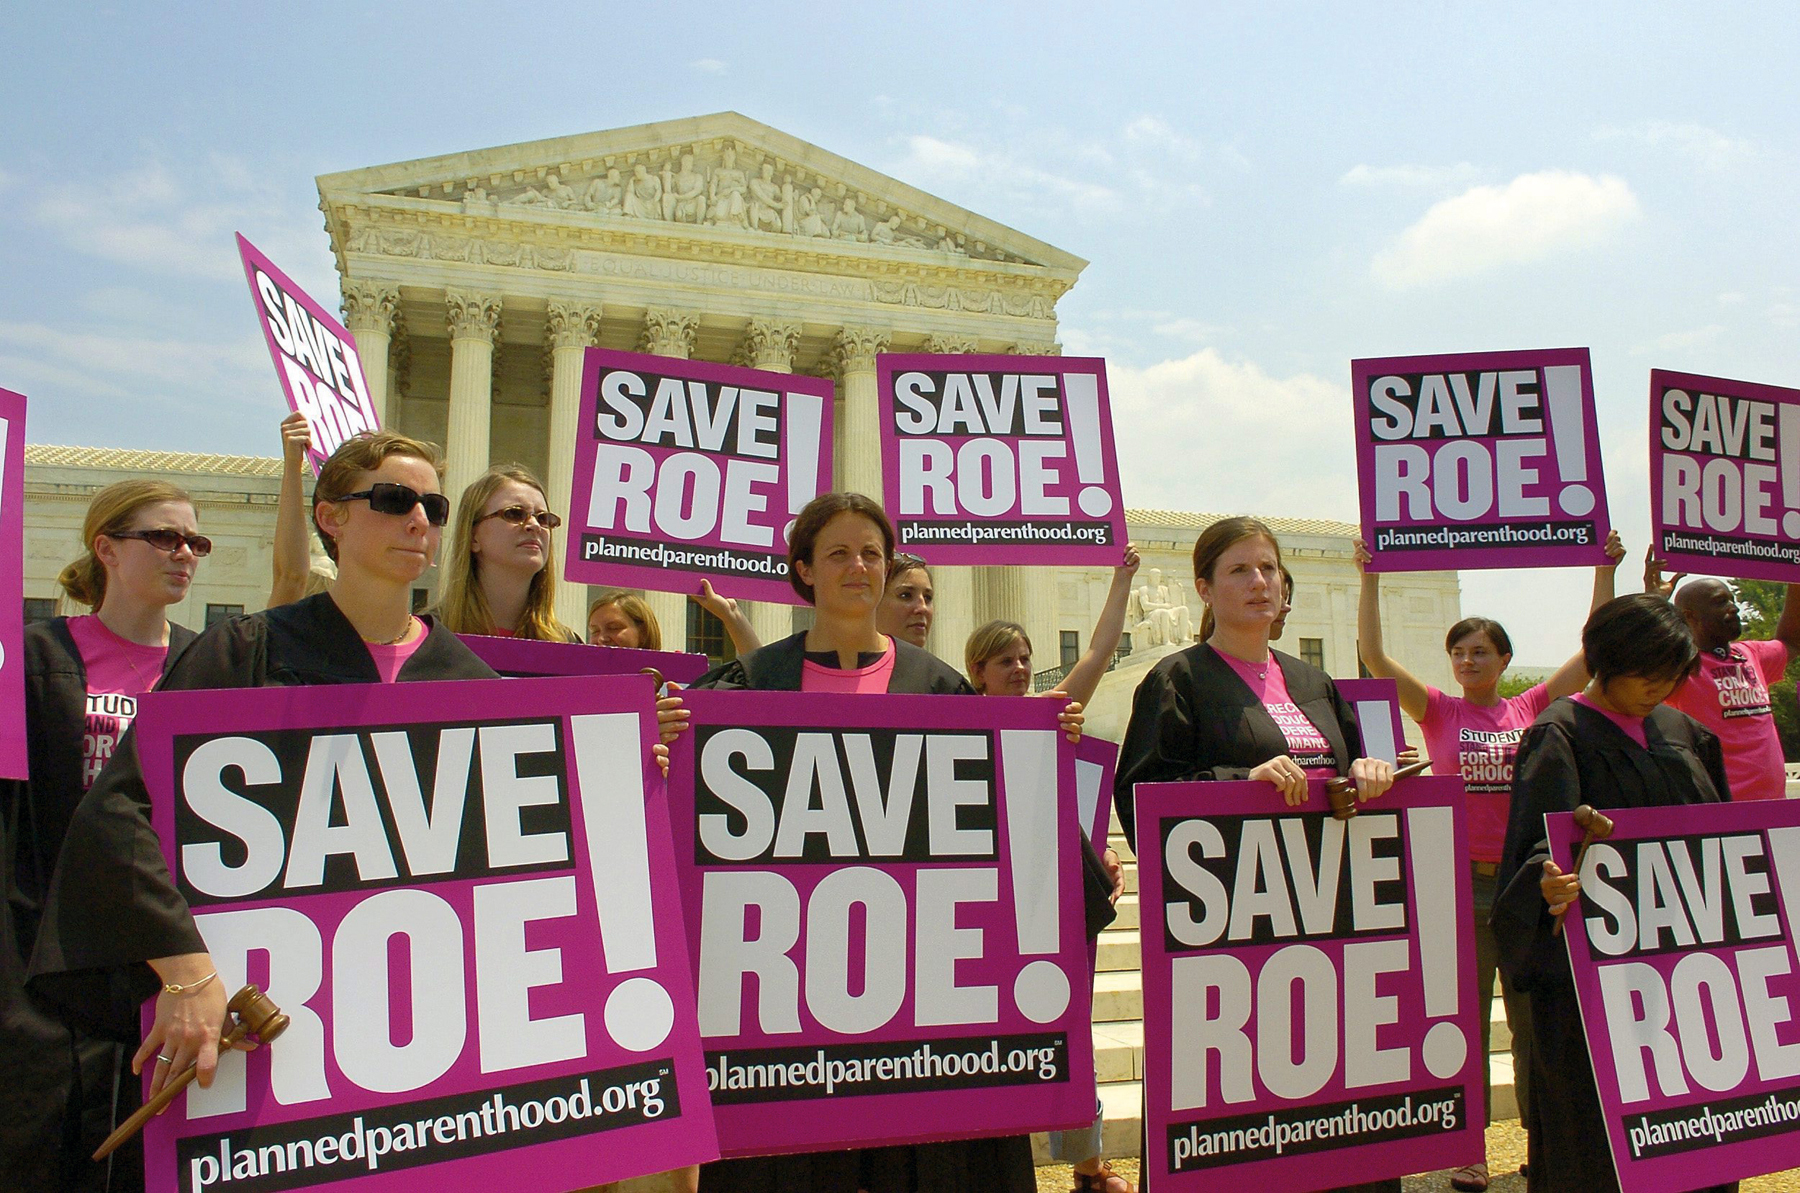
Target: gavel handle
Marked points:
171	1087
1587	839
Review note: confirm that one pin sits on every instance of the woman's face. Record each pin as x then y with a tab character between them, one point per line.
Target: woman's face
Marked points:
608	626
848	567
1476	661
393	547
906	607
502	545
1637	695
1245	591
147	575
1007	673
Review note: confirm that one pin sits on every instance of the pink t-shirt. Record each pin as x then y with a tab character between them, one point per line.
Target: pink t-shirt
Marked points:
118	672
1633	727
1730	696
1480	742
1306	745
389	659
815	677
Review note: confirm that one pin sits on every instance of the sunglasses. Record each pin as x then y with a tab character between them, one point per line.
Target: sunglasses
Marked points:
518	515
169	540
385	497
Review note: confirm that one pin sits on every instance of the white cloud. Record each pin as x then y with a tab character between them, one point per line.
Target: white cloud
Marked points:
1707	146
1155	132
1409	176
1731	298
1674	341
708	66
109	365
1206	434
1486	227
1183	328
996	176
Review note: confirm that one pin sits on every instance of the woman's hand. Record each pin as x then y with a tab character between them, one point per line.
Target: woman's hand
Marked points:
672	718
1408	757
1362	555
296	439
187	1027
1071	717
1560	890
1115	869
1287	776
1371	777
723	608
1653	575
1615	549
1129	565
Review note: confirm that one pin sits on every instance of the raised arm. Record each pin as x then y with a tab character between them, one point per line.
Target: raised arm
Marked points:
293	557
1572	676
1787	630
1085	675
1413	694
743	634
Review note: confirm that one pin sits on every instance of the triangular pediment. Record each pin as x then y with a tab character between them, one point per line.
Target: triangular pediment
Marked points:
723	176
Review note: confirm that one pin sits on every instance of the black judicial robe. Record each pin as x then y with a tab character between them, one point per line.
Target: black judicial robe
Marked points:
1574	755
62	1086
994	1165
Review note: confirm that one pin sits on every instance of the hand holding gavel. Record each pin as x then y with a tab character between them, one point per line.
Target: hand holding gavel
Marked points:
1341	792
1595	825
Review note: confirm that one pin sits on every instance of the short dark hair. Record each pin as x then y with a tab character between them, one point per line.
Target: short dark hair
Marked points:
821	510
1478	625
1639	635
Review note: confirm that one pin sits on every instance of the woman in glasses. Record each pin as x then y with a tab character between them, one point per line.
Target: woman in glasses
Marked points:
66	1085
500	577
114	929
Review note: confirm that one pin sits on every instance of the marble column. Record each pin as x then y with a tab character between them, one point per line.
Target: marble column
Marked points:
372	313
769	345
858	445
669	333
1026	596
946	345
571	329
474	323
1035	348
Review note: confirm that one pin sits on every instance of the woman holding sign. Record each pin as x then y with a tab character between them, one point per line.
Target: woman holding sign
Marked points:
1613	744
114	927
500	578
1477	733
66	1084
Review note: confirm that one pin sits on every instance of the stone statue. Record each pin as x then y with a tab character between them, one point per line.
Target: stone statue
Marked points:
886	232
643	198
606	195
849	224
811	219
729	184
684	193
1155	613
771	205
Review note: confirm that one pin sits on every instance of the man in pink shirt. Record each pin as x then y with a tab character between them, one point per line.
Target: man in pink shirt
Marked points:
1729	694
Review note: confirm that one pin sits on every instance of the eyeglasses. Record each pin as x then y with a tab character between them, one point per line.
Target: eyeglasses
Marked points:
168	540
384	497
518	515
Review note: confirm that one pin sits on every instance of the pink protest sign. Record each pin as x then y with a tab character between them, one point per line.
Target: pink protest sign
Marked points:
489	993
1479	460
519	657
687	471
320	369
13	758
1377	705
1683	951
1096	761
1309	987
1725	476
1000	459
884	905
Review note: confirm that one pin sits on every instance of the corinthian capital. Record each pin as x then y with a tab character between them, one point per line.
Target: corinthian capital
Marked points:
371	307
951	345
472	316
769	344
572	325
1035	348
855	349
668	333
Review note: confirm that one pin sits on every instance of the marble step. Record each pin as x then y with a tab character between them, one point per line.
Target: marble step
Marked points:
1118	952
1118	997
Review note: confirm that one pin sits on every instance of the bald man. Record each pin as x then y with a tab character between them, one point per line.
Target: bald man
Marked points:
1729	694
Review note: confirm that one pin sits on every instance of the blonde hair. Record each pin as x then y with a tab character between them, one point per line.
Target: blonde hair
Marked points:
634	607
110	512
463	607
987	643
364	453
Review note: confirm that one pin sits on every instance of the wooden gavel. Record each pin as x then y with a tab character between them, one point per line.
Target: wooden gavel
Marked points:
256	1016
1342	793
1596	826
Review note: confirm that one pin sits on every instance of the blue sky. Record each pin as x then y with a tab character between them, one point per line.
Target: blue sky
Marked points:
1264	191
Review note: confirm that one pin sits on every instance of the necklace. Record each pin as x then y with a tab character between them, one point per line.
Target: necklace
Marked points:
397	638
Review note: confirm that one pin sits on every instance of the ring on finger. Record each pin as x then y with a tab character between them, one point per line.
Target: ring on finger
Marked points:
166	1060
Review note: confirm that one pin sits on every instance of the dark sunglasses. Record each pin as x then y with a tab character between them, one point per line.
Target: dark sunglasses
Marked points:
169	540
518	515
385	497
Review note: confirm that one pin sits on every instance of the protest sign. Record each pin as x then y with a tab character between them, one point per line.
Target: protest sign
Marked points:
489	992
1377	705
14	763
520	657
1096	761
1725	476
687	471
1309	987
321	372
1682	946
1479	460
884	907
1000	459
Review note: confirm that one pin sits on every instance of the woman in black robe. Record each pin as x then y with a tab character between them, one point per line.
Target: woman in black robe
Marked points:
1615	744
114	930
